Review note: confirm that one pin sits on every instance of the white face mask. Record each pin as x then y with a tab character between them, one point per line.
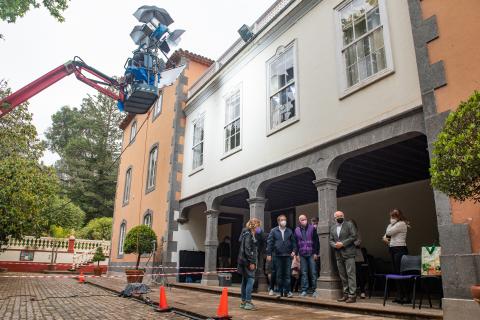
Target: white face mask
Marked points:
283	223
392	221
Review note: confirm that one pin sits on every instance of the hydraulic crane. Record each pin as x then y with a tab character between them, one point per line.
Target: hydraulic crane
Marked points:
144	76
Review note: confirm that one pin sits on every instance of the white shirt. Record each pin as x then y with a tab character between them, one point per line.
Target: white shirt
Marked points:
398	234
283	232
339	228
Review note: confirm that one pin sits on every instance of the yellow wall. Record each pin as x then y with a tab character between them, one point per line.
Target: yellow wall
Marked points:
458	47
158	131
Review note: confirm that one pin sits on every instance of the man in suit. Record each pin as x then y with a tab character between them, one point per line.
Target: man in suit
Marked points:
342	237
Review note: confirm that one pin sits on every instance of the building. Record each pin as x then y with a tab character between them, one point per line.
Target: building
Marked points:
149	171
331	104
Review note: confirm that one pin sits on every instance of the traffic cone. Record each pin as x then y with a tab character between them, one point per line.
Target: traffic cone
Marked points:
163	305
222	311
81	278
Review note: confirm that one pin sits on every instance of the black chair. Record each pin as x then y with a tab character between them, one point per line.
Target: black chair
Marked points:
410	269
425	282
372	275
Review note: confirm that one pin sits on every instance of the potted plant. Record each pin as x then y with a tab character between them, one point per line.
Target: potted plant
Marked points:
140	240
99	256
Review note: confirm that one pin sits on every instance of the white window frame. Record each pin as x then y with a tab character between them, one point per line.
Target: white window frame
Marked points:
152	176
121	239
158	106
344	90
148	214
237	90
200	117
280	51
127	186
133	131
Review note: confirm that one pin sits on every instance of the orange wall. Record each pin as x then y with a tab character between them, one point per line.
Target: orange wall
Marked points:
458	46
158	131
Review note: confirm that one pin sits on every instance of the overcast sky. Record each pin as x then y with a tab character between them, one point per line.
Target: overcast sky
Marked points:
98	32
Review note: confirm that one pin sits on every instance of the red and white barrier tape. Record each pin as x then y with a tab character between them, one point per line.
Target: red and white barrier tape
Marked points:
119	276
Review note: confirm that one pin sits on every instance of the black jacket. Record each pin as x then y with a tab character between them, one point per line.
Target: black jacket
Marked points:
281	247
248	252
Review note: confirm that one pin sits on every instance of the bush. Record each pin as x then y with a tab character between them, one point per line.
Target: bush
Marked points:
97	229
140	240
455	167
99	256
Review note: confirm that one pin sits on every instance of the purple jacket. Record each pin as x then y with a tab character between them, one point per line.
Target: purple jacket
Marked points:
307	241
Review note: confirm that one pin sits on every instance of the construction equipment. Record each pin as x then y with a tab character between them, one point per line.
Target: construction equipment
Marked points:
144	75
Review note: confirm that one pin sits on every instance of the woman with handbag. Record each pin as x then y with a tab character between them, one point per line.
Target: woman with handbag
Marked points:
247	260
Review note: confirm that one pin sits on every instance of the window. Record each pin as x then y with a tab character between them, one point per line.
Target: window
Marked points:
26	255
282	88
198	136
147	218
232	122
152	168
128	182
158	106
133	131
362	46
121	239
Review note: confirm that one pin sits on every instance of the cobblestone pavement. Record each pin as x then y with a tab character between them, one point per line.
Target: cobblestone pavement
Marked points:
56	298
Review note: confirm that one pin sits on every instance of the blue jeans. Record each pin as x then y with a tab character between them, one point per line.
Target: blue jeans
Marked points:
283	265
308	268
247	287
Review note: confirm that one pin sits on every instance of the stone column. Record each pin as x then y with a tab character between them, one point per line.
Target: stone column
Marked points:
257	210
211	245
328	284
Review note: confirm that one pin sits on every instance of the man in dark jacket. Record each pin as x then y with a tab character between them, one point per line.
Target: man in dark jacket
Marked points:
342	239
308	246
281	244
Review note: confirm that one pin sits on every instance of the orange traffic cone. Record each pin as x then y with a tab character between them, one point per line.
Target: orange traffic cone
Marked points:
222	311
81	278
162	305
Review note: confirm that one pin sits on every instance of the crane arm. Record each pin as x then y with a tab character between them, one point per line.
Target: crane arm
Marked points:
76	66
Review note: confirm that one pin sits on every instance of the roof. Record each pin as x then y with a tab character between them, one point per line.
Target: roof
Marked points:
174	59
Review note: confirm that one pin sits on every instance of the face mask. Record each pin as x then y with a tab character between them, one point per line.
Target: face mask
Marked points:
303	223
283	223
392	221
315	225
339	220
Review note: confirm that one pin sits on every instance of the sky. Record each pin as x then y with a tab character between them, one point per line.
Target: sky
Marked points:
98	31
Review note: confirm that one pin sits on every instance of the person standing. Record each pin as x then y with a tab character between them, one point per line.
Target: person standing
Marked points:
281	244
359	262
342	239
247	262
308	246
396	238
224	253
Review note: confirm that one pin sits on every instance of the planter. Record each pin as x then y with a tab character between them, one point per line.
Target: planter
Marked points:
97	271
475	292
134	275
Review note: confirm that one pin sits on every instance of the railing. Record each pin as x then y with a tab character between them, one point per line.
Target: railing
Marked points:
261	22
61	244
83	258
43	243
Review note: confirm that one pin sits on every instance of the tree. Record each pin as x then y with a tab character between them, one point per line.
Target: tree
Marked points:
65	214
26	191
97	229
140	240
10	10
88	142
98	256
455	167
18	134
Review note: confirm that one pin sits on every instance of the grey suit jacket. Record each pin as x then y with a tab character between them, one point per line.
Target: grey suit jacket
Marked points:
348	235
